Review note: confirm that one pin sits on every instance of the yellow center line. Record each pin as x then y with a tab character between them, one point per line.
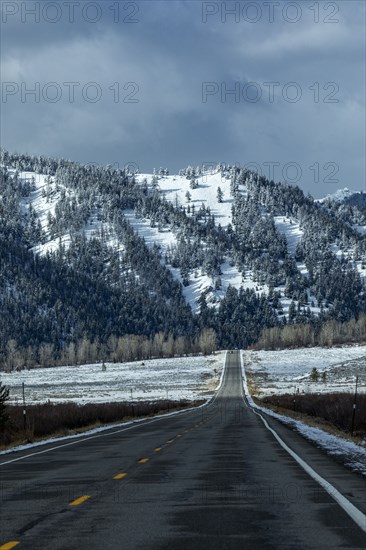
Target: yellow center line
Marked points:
79	500
143	460
157	449
119	476
9	545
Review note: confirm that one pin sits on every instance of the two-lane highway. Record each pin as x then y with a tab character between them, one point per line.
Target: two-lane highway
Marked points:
212	478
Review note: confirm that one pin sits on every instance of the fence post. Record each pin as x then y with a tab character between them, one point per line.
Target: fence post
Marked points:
24	409
354	408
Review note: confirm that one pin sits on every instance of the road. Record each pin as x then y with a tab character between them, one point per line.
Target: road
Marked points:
214	478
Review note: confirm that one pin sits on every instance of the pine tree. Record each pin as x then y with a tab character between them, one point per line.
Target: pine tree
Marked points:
220	194
314	375
292	311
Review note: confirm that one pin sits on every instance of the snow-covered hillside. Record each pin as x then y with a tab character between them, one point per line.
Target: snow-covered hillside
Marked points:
222	249
175	189
210	190
178	190
46	195
42	202
338	196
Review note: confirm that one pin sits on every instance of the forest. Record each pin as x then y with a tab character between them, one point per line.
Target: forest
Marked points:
107	295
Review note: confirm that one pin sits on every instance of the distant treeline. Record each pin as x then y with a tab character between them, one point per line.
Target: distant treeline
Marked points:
116	349
328	334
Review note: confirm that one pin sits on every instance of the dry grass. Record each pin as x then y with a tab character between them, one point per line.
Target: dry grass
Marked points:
70	418
328	410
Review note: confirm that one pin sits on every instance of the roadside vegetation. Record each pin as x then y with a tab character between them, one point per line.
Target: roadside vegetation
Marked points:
333	408
55	420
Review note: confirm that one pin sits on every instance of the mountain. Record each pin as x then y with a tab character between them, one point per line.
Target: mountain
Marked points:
345	196
92	254
338	196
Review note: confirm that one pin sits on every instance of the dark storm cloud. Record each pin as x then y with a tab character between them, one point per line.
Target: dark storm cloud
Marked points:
180	85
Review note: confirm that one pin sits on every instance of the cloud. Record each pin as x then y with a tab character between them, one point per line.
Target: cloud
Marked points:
169	54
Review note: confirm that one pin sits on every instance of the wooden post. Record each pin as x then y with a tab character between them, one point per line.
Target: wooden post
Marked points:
354	408
24	409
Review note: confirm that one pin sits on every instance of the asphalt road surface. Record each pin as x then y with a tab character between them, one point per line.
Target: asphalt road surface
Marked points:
214	478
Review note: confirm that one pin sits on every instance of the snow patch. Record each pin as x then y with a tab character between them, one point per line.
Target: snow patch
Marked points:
338	196
291	229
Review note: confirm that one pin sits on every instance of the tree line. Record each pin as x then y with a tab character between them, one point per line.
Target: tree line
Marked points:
116	349
329	333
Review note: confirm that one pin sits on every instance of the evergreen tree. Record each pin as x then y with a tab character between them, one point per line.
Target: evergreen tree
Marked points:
220	194
314	375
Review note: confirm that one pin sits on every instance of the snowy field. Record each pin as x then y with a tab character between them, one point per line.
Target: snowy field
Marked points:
288	371
180	378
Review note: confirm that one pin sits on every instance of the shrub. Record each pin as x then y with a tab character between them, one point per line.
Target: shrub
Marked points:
4	396
49	419
335	408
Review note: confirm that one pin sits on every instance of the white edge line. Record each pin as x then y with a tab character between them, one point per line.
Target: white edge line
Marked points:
109	429
354	513
221	378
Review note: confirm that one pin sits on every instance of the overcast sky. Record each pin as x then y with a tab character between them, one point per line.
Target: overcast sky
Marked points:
151	82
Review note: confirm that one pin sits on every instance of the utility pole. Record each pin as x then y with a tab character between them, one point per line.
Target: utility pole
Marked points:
354	407
24	409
